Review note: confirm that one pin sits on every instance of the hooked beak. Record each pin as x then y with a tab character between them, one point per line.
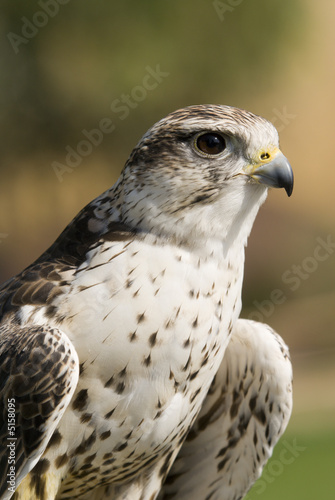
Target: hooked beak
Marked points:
274	172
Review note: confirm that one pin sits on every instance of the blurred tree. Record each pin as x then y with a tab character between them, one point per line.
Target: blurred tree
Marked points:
63	62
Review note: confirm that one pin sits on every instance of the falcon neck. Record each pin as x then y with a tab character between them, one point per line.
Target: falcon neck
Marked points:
218	228
225	222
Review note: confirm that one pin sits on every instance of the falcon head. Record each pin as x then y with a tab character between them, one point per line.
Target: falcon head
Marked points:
204	169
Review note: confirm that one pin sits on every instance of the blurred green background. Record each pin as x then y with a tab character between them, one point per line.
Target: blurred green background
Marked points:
65	65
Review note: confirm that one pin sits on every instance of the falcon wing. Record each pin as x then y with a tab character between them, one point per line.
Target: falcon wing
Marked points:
243	416
39	372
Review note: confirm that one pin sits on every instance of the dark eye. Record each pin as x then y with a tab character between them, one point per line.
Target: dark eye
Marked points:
210	143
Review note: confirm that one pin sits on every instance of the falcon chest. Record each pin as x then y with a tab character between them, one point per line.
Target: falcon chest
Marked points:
150	323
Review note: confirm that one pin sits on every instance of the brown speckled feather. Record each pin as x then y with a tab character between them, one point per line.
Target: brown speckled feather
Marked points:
38	375
41	282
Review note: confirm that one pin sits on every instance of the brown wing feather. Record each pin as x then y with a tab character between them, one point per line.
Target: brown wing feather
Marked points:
39	372
46	278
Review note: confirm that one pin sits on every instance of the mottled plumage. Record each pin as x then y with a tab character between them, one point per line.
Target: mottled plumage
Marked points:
127	327
245	412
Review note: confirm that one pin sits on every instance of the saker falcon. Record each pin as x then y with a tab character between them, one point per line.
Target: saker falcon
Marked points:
121	347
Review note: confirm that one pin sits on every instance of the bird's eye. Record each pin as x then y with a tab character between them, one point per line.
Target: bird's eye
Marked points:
210	143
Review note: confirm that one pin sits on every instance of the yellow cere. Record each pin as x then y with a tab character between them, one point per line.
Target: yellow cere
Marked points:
263	156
